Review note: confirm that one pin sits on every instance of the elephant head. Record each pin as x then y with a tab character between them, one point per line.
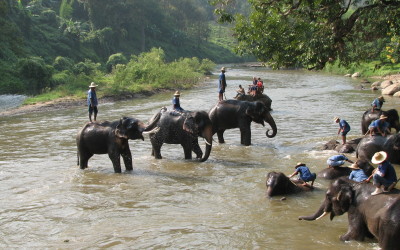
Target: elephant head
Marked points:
259	113
199	124
338	199
129	128
278	183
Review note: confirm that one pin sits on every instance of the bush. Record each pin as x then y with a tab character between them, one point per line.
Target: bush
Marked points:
115	59
63	63
87	67
36	74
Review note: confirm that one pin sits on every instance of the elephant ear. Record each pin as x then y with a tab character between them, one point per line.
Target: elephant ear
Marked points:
189	125
121	130
344	199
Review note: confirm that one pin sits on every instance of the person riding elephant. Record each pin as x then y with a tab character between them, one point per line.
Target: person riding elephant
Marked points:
182	128
369	116
369	145
279	184
331	173
368	216
231	114
260	97
109	138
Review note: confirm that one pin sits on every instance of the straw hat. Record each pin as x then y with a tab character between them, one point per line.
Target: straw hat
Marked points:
382	117
354	166
177	93
299	164
379	157
336	118
223	69
93	85
381	98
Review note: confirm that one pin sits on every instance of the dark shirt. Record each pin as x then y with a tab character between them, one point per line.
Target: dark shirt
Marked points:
387	169
221	82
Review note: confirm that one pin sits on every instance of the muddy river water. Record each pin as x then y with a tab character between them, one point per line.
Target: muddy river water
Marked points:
47	202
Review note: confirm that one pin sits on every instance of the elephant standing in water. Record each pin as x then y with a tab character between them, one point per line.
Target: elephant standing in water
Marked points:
369	116
369	216
230	114
369	145
109	138
279	184
182	128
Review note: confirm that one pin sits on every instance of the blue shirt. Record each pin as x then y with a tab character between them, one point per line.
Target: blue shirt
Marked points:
387	169
305	173
336	160
377	123
345	125
92	95
358	175
376	103
176	104
221	83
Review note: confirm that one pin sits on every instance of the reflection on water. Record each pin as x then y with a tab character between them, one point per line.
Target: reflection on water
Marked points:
47	202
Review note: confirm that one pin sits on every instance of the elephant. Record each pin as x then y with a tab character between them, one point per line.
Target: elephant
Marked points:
258	97
230	114
369	145
109	138
182	128
368	216
349	147
279	184
369	116
331	173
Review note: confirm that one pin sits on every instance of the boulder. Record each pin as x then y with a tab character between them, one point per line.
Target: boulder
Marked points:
386	83
390	90
376	84
357	74
348	75
397	94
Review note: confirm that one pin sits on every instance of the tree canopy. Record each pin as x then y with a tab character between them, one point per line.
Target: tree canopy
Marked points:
312	33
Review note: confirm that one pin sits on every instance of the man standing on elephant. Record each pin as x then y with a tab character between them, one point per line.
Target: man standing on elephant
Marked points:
377	103
344	128
92	101
384	175
221	84
337	161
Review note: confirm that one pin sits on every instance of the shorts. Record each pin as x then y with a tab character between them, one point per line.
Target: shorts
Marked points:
379	180
335	163
93	109
221	91
344	133
312	177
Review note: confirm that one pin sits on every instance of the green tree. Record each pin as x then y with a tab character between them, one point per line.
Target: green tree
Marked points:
291	33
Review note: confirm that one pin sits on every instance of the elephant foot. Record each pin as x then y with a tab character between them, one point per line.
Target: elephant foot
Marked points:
221	141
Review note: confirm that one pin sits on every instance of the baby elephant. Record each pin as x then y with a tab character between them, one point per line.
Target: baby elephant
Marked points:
279	184
109	138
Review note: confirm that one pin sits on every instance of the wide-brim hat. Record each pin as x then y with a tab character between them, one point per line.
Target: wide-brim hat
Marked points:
379	157
223	69
177	93
336	118
382	117
381	98
354	166
93	85
299	164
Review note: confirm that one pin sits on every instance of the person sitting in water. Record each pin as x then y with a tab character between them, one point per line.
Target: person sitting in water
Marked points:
337	161
240	92
176	103
344	128
357	174
379	126
305	174
384	175
377	103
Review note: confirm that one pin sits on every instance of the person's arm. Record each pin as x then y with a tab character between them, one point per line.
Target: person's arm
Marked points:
294	173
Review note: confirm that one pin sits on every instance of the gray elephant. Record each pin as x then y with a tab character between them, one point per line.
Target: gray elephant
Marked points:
369	116
182	128
349	147
279	184
332	173
369	145
230	114
109	138
258	97
369	216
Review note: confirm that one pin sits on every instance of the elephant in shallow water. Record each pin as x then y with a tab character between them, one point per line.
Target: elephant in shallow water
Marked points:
331	173
369	216
230	114
369	145
279	184
109	138
369	116
182	128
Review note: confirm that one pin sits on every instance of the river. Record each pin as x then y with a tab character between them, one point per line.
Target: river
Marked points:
47	202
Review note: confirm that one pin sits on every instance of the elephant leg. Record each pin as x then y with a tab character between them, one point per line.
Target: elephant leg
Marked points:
84	159
196	149
245	136
187	149
156	151
127	157
116	161
220	134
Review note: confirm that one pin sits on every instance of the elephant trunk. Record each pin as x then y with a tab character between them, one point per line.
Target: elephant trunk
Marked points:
319	214
268	118
207	135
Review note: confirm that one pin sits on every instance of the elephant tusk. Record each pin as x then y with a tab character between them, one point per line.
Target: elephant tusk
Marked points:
322	215
207	142
153	131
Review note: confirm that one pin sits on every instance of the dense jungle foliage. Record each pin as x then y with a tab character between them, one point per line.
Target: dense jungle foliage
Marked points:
60	46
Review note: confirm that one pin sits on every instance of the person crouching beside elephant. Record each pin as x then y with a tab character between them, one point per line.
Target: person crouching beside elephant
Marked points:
337	161
384	175
379	126
357	174
305	174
